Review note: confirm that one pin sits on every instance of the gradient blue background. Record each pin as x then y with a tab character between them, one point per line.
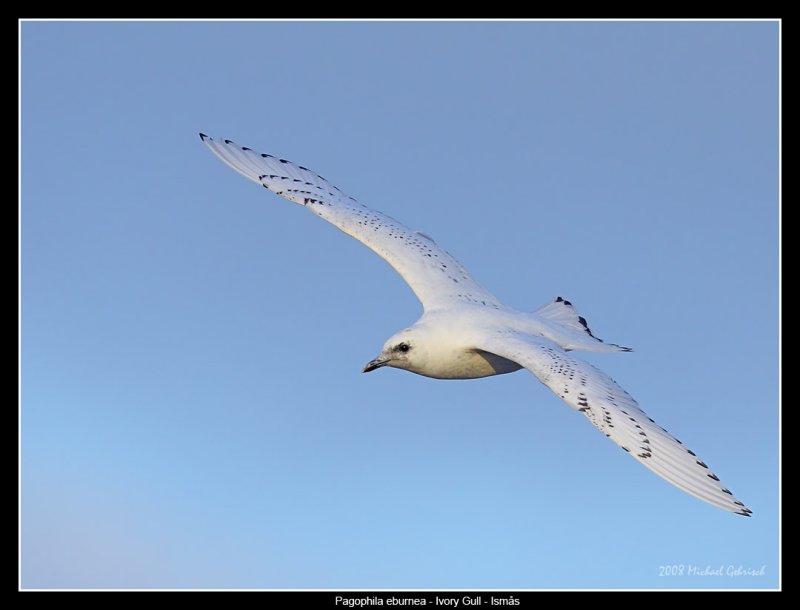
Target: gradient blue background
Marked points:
193	408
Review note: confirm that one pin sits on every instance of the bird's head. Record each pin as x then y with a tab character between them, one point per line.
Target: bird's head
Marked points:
401	351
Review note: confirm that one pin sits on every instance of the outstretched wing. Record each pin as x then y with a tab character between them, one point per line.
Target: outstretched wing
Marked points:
436	278
615	413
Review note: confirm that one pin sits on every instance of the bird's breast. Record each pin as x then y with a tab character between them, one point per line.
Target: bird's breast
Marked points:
469	364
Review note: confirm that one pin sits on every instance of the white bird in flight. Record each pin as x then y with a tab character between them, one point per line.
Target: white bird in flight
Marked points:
465	332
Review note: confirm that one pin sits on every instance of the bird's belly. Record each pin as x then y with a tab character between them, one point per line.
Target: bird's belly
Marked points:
472	364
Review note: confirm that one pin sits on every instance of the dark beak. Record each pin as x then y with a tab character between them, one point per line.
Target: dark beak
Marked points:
375	364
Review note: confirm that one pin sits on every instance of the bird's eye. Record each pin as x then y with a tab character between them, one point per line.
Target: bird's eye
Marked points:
403	347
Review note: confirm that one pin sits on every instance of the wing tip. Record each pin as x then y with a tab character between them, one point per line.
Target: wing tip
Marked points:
563	312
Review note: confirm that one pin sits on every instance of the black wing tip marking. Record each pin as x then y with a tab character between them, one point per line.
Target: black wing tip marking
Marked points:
582	321
742	510
204	137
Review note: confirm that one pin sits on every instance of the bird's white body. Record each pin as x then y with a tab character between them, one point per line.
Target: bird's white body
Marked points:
444	343
446	340
465	332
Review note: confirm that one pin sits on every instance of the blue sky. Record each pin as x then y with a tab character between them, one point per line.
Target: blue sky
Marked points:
193	408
